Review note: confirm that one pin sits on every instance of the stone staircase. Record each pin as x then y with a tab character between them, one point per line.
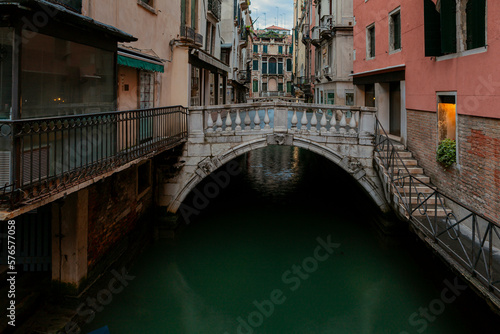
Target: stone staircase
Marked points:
399	194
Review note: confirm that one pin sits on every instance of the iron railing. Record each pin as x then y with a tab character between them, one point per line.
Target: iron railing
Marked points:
53	153
214	7
471	239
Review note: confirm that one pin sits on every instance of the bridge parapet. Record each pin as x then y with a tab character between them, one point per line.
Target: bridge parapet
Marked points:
281	117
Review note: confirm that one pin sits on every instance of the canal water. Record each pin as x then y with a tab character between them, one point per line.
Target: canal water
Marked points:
287	244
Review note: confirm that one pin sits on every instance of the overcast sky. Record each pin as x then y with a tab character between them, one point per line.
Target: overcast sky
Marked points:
276	11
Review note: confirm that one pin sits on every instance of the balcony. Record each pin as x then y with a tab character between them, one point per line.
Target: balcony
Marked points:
52	154
305	33
244	76
315	35
214	9
189	35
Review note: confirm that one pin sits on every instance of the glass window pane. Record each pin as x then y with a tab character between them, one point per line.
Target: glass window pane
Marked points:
60	77
6	38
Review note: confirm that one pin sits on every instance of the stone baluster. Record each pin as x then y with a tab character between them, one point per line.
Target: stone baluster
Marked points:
218	122
267	120
237	121
256	120
210	122
314	122
323	121
248	121
229	122
352	123
333	122
343	122
294	120
303	121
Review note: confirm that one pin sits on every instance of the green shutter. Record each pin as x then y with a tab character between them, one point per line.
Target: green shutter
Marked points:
183	13
432	28
255	86
280	87
288	65
255	65
255	48
476	25
280	68
193	14
397	31
448	26
289	87
265	48
280	49
264	68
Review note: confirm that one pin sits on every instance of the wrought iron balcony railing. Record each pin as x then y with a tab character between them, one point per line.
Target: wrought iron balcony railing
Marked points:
188	33
214	8
48	155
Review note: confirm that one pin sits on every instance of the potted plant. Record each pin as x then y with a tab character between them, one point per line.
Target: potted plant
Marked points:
446	153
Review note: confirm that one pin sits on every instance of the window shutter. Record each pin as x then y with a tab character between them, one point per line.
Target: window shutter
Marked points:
193	14
255	86
280	68
476	25
448	26
397	31
432	27
255	65
183	13
288	65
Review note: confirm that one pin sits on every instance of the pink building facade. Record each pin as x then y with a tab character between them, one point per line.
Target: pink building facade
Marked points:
431	68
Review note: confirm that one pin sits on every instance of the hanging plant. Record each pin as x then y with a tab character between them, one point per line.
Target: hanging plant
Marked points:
447	153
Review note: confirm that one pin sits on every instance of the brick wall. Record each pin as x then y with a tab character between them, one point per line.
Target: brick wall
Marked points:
114	209
475	182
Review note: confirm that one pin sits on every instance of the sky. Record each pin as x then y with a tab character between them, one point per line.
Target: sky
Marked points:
270	12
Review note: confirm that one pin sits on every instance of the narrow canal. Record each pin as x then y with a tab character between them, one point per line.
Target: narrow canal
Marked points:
290	246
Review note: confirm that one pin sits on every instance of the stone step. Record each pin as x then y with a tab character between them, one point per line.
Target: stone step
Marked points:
405	190
406	162
402	154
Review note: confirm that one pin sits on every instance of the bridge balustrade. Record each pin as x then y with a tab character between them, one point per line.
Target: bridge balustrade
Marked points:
282	117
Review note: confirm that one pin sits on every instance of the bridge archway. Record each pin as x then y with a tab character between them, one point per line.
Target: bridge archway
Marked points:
365	178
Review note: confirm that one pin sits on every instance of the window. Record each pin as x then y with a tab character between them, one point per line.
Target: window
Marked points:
264	65
225	55
280	87
447	116
349	98
6	38
255	65
370	41
476	25
264	86
264	47
255	86
255	48
195	86
272	66
395	30
280	49
78	79
288	86
280	66
454	26
288	65
330	97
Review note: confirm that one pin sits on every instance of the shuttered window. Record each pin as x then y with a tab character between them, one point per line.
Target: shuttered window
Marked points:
289	65
255	65
255	48
448	26
432	29
396	31
255	86
476	25
265	48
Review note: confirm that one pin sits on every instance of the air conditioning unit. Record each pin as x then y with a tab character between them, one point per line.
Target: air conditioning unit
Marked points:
315	34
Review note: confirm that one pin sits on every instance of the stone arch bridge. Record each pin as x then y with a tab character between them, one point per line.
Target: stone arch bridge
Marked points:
218	134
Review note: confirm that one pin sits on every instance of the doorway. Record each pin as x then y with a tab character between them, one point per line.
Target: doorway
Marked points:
395	109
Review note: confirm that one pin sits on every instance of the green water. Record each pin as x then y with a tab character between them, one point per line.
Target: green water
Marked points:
253	262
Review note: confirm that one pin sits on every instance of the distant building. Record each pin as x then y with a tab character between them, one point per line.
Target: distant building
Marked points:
272	51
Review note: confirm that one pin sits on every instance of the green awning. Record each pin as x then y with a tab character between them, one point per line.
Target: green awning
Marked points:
137	62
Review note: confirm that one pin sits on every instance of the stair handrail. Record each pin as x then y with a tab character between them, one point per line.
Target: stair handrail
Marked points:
481	245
